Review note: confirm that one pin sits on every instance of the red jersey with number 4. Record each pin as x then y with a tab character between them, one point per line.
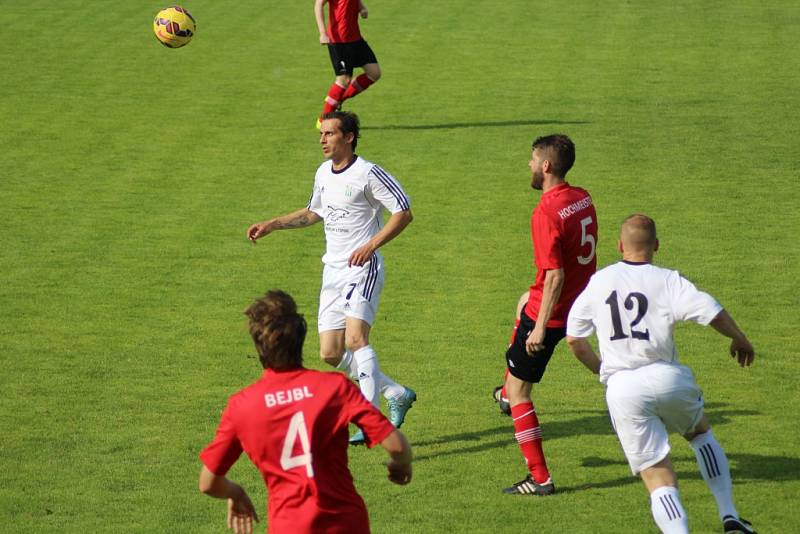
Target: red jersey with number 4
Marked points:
294	427
343	21
564	233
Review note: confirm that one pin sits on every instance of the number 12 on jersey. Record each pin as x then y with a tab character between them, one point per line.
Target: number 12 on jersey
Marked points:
297	430
616	321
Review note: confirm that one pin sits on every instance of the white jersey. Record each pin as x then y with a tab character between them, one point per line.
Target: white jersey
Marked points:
351	203
634	308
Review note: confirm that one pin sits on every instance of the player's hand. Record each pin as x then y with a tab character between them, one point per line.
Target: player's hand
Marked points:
399	473
241	514
364	12
324	39
743	351
258	230
535	341
361	256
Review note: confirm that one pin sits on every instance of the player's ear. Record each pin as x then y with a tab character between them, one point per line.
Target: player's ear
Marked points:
620	247
546	166
655	247
349	137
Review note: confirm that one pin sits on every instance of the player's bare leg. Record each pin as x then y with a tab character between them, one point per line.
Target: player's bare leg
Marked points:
332	351
372	73
665	503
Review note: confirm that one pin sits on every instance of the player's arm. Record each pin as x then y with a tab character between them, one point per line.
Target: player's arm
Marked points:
241	512
582	350
399	464
319	15
741	348
297	219
553	283
396	224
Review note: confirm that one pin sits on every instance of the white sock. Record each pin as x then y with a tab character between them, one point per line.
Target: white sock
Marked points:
390	388
348	364
369	374
668	512
714	467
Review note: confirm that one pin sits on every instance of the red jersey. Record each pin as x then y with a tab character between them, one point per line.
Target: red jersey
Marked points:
564	234
343	21
293	425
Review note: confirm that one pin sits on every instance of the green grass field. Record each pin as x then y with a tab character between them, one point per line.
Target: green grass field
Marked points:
129	173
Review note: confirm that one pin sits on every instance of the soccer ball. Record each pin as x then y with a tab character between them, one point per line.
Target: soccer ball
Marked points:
174	27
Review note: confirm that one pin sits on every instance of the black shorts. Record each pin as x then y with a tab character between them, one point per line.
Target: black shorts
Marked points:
347	56
531	368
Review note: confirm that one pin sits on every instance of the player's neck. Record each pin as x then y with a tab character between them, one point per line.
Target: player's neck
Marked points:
638	257
551	181
340	163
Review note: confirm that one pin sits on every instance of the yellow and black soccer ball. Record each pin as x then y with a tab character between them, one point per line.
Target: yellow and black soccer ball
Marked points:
174	27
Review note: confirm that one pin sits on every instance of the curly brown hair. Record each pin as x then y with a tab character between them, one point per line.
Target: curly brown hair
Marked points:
278	331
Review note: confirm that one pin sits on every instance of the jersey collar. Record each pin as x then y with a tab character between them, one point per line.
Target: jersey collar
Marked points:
555	189
340	171
635	262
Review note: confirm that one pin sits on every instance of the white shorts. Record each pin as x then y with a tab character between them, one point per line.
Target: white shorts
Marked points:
649	402
350	292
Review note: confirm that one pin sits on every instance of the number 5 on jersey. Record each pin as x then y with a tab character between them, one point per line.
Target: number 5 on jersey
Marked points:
586	238
297	430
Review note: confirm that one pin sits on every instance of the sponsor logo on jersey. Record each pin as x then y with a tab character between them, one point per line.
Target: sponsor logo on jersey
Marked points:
336	214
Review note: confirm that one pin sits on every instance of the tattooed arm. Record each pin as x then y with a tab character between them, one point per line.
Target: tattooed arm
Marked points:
297	219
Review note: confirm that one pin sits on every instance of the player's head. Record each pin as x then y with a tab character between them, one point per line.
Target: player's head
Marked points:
551	154
637	237
347	124
278	331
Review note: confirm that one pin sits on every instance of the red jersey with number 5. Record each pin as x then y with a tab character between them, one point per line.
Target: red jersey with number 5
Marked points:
343	21
564	233
293	425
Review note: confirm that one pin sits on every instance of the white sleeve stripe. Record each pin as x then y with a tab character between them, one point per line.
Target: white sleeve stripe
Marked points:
391	185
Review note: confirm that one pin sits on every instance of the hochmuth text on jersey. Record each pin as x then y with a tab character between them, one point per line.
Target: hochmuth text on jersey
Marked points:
575	207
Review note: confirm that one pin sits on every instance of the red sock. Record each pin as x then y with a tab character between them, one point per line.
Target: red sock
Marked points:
529	437
503	393
358	85
334	98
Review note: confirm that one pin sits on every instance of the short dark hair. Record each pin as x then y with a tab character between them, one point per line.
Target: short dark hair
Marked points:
278	331
561	152
348	122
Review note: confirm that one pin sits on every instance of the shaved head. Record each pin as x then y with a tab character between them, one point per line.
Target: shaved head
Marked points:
638	235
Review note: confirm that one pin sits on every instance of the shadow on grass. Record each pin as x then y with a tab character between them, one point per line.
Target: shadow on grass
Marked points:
454	125
597	423
503	436
744	467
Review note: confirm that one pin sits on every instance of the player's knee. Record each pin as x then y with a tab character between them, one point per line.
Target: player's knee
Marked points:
356	341
343	80
374	73
330	358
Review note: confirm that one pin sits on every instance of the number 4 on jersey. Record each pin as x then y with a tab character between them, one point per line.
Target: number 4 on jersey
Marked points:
297	429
